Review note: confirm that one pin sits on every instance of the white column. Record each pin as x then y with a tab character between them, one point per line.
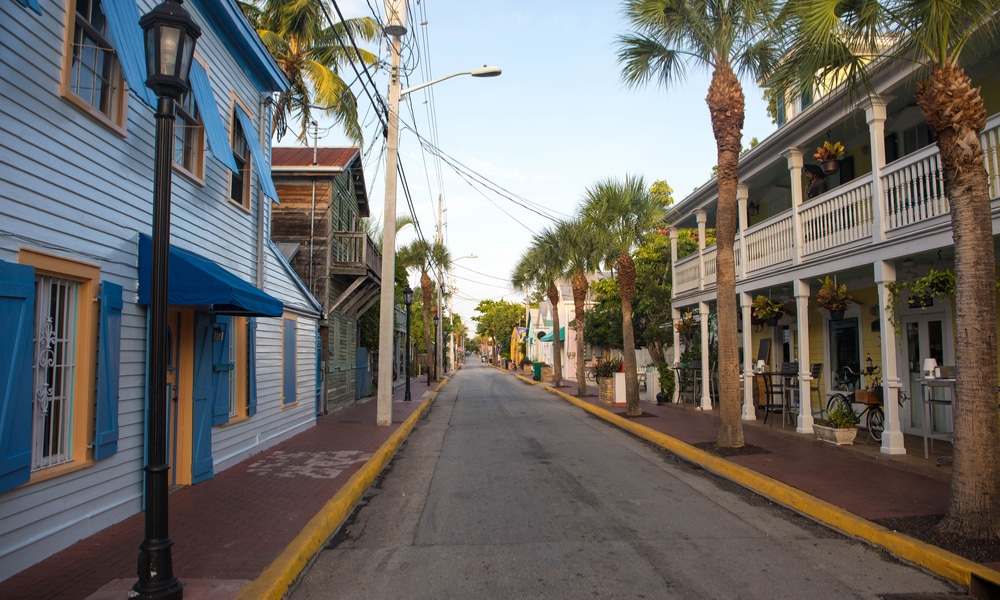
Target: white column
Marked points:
794	158
742	196
805	420
702	219
749	413
875	114
892	436
706	352
676	314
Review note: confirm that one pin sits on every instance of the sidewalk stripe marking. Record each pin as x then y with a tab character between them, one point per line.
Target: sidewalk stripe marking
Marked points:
282	573
932	558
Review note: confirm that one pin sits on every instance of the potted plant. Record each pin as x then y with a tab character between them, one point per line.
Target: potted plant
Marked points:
829	155
667	385
839	426
833	297
526	365
767	310
686	326
605	371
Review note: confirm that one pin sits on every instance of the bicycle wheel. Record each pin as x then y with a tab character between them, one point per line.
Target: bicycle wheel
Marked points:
876	422
836	401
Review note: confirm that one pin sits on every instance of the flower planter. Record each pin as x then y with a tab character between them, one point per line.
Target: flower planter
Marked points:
773	322
606	387
836	436
546	373
830	166
837	314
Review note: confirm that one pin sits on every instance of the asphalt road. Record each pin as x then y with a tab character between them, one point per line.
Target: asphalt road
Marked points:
506	491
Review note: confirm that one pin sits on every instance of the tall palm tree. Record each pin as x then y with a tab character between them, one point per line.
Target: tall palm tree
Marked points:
582	258
732	38
311	53
622	213
425	256
833	39
540	267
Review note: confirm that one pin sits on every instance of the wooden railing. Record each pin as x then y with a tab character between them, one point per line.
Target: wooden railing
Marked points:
768	243
354	251
914	189
687	274
839	219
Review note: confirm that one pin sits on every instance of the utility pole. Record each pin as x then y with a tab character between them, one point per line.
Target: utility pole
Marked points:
439	349
395	11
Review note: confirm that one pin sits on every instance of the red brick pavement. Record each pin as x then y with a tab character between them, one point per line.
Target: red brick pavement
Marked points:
231	527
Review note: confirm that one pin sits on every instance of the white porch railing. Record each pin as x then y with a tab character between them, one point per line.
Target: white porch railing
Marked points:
844	217
768	243
913	191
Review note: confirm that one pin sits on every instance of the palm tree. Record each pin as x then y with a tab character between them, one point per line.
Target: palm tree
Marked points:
540	267
424	256
311	53
582	257
730	37
622	213
833	39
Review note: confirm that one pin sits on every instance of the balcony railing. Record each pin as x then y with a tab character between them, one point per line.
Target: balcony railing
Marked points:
352	252
912	192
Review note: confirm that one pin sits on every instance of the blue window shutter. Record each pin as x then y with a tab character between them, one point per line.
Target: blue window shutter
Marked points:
215	131
32	4
17	317
288	374
263	167
201	392
127	36
108	362
251	366
222	366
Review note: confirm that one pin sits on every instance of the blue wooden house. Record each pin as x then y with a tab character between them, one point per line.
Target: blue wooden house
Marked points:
76	173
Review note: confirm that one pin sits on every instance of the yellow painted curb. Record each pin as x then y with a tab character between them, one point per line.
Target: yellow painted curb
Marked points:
932	558
280	574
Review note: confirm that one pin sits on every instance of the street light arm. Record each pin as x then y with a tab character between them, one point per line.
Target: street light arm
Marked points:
480	72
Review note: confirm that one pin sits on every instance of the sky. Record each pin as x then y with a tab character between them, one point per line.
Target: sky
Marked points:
556	122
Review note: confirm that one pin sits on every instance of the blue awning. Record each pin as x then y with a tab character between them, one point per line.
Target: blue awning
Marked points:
549	337
197	281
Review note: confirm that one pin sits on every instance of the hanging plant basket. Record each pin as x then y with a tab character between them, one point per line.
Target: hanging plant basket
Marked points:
830	166
837	314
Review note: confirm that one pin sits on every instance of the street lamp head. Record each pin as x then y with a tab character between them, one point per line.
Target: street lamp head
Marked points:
485	71
170	34
408	295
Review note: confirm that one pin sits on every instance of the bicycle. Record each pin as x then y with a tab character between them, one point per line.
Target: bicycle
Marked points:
873	412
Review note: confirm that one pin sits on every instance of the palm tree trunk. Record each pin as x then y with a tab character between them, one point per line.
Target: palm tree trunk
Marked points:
626	285
726	104
956	117
553	294
579	295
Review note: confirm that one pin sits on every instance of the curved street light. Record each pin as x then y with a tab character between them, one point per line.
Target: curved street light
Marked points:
386	311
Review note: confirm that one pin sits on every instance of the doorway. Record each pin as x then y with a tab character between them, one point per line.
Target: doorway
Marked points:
924	336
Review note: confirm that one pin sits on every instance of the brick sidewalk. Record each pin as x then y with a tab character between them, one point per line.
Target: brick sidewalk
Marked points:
229	529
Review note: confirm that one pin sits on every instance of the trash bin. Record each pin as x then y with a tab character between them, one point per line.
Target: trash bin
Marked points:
538	370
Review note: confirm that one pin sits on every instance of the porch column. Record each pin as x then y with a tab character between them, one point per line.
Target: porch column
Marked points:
702	219
875	114
706	352
892	436
676	314
742	196
749	414
794	158
805	420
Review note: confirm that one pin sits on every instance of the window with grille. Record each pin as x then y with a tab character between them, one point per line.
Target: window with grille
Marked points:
189	136
239	182
94	75
54	370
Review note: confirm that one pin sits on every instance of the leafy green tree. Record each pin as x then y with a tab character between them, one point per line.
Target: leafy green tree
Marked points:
604	318
497	319
311	54
653	317
847	42
622	213
732	38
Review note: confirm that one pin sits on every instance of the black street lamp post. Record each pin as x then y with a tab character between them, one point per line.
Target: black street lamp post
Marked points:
170	36
408	300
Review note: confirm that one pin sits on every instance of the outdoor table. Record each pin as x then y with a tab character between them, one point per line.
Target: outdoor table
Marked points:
688	382
772	389
927	429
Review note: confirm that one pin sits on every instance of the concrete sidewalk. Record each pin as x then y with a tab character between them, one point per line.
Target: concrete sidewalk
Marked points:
250	531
